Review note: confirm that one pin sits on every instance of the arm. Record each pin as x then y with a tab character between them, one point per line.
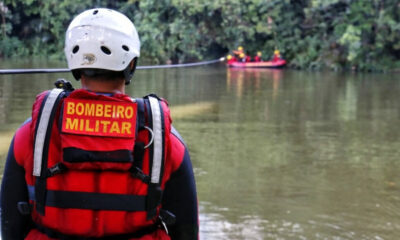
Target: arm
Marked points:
180	198
14	225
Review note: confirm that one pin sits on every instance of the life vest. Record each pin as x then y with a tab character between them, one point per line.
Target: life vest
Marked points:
257	59
98	167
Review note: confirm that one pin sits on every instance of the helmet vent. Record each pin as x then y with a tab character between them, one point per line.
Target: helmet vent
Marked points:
75	49
105	50
95	12
125	48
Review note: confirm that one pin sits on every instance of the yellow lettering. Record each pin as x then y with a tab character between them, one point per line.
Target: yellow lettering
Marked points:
87	127
81	122
80	109
96	128
105	125
70	108
89	109
71	123
114	112
129	112
99	118
114	127
107	110
99	110
126	128
120	111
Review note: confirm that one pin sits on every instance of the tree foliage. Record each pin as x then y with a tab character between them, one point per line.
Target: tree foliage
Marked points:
313	34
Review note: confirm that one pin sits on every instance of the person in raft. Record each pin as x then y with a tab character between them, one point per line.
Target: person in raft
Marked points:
257	58
231	59
93	163
276	56
237	52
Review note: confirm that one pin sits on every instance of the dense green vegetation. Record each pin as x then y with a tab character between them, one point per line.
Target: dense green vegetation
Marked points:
311	34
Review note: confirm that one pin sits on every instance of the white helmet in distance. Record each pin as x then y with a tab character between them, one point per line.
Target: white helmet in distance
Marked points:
102	39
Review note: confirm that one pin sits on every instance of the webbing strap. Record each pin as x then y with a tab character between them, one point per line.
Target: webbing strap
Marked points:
140	113
42	130
138	152
136	235
158	140
94	201
76	155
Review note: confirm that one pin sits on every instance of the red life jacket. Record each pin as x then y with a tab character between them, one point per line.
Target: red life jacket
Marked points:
232	60
99	165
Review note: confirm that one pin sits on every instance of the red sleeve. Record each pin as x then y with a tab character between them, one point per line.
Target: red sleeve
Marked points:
23	150
14	225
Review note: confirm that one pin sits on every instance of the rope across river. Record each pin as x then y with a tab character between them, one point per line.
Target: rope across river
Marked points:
62	70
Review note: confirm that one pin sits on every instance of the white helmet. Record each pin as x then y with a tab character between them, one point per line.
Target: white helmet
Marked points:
101	39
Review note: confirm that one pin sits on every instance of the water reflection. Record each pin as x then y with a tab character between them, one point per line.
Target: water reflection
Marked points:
4	97
248	227
236	78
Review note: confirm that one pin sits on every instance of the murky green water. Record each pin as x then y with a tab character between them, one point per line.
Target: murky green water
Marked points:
278	154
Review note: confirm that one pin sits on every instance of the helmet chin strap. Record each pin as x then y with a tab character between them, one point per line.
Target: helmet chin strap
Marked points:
77	74
130	70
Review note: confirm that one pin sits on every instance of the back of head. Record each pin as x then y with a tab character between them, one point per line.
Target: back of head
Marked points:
102	41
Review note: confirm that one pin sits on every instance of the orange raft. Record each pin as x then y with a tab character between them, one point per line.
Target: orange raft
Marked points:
264	64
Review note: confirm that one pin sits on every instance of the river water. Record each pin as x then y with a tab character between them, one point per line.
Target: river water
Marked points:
277	154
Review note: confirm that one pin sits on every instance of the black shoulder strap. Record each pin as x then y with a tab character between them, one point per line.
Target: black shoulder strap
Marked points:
138	152
140	116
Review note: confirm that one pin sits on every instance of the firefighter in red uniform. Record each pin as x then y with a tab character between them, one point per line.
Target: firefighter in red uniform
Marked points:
231	59
276	56
94	163
258	58
248	58
237	52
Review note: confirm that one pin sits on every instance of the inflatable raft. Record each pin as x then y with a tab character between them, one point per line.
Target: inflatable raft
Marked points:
264	64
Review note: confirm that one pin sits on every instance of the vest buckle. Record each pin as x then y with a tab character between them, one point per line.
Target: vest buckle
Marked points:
56	169
166	218
138	173
24	208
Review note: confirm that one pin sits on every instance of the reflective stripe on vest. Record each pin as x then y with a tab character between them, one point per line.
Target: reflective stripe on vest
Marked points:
41	130
158	140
